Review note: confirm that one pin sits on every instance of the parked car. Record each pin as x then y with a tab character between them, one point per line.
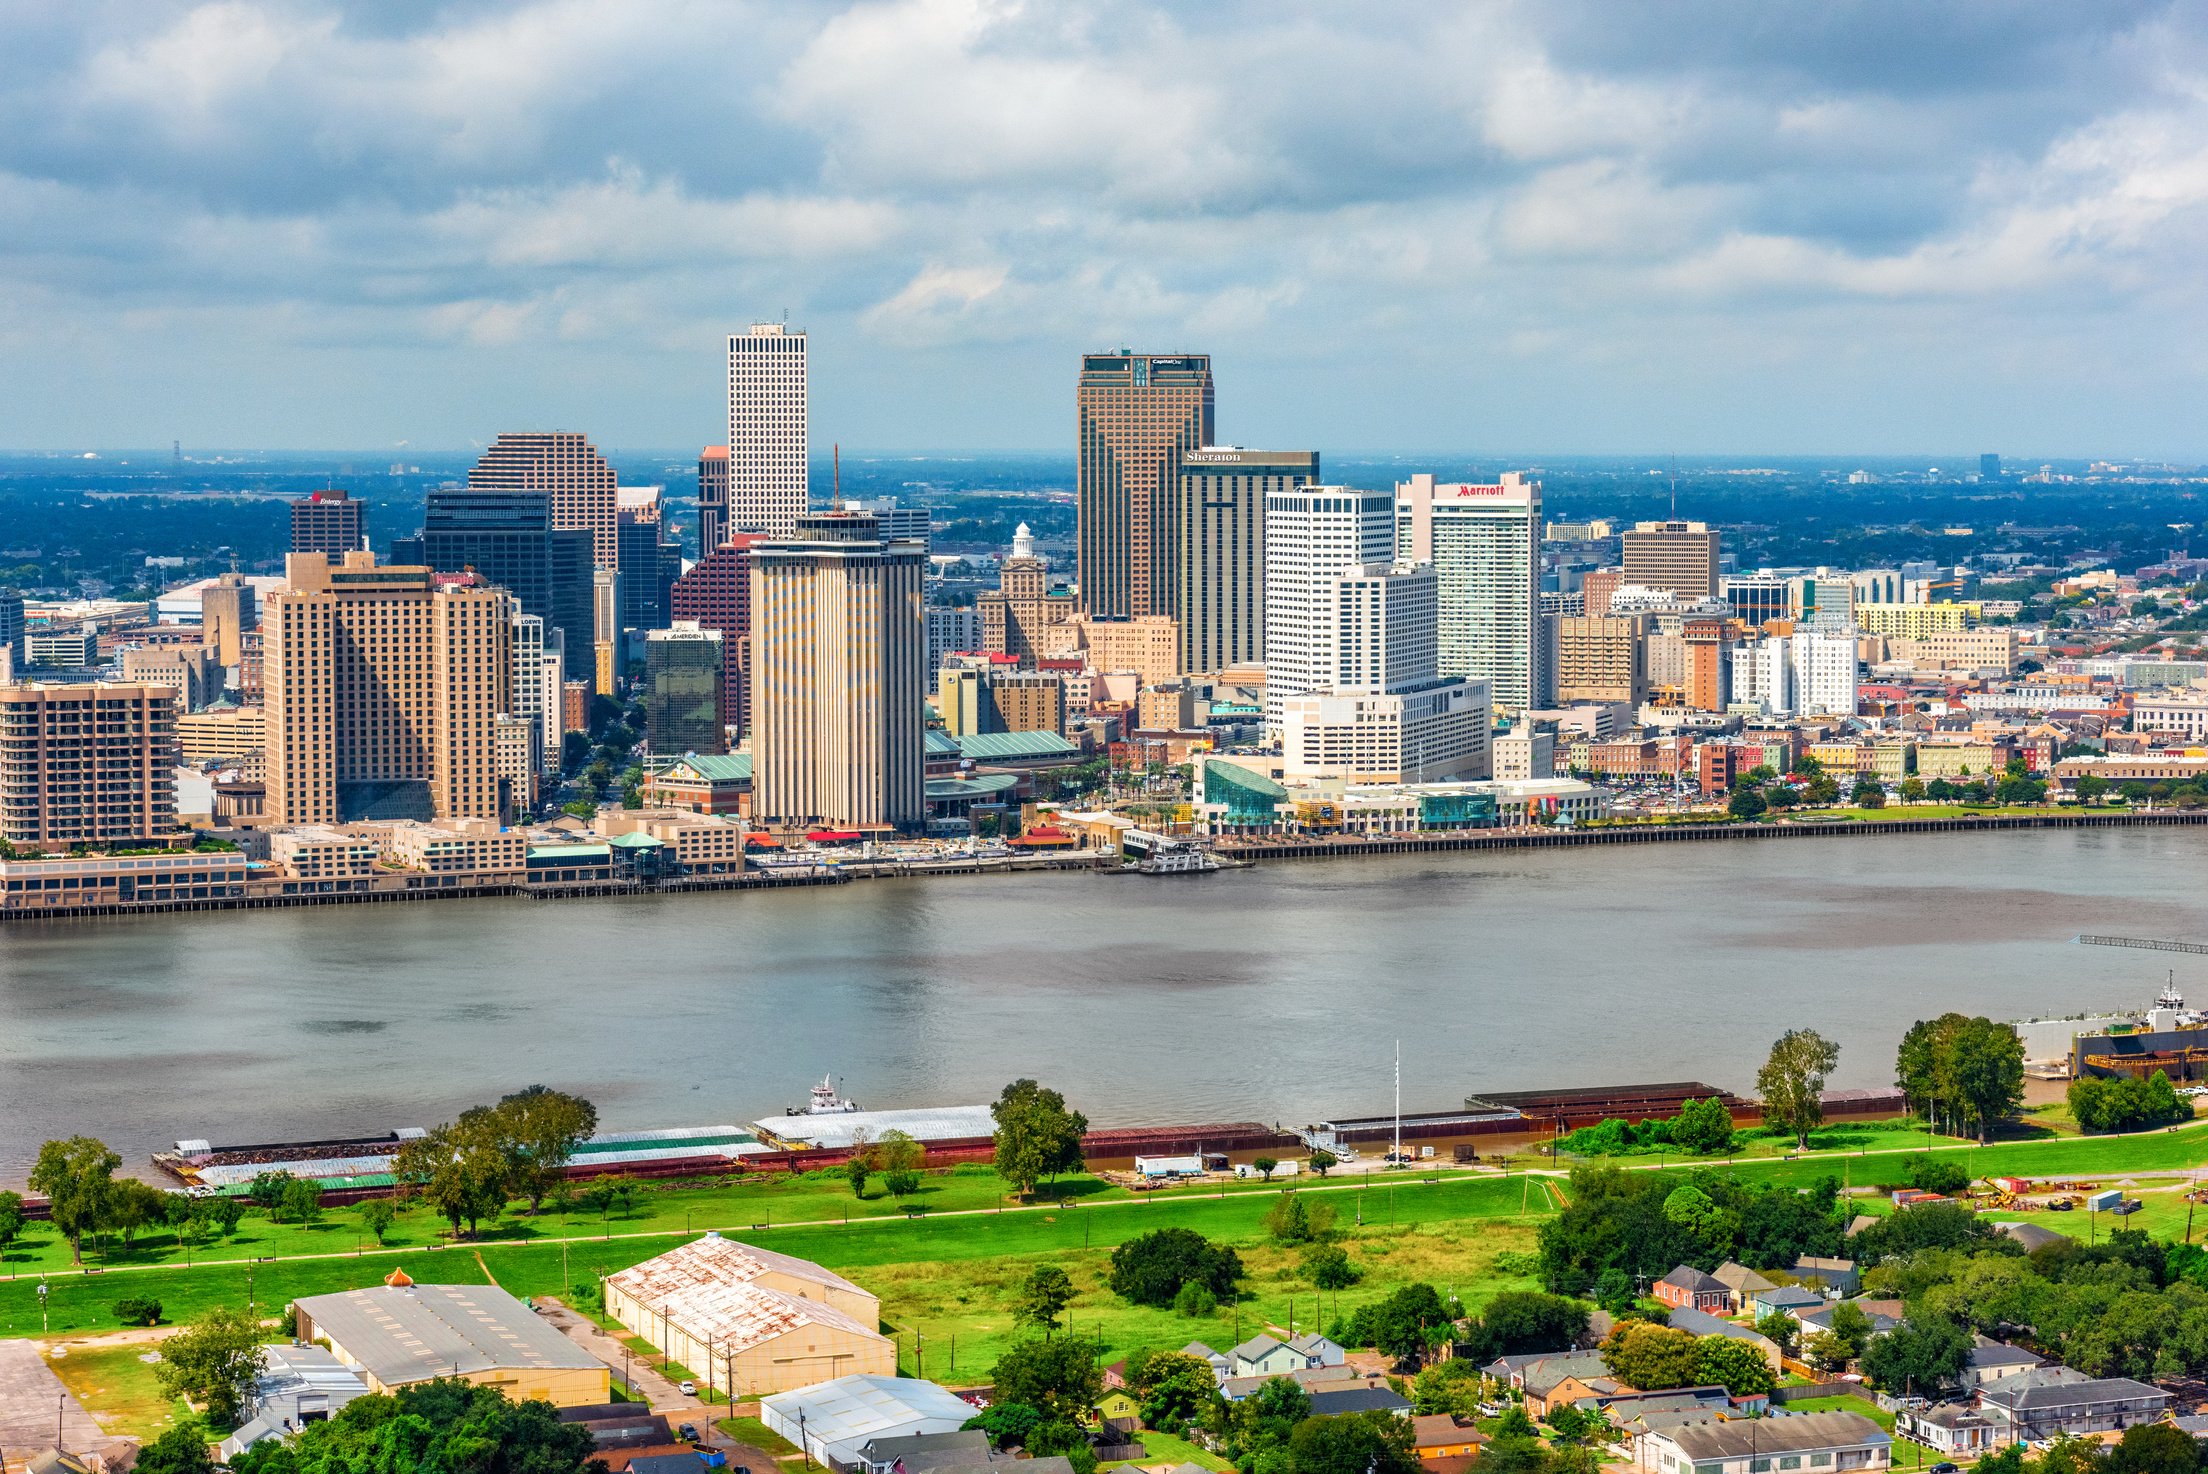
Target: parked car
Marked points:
688	1433
689	1389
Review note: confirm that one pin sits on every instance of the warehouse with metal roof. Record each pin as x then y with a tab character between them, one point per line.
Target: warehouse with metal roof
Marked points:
401	1333
834	1420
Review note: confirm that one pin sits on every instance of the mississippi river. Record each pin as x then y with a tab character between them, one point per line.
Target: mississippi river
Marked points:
1274	994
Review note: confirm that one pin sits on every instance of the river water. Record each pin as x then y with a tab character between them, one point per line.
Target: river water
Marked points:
1273	994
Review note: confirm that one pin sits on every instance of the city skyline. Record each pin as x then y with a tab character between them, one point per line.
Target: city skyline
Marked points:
1614	234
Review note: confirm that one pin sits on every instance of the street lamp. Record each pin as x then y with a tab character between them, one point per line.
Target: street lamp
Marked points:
43	1291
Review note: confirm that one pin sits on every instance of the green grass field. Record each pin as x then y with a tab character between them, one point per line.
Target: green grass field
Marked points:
117	1387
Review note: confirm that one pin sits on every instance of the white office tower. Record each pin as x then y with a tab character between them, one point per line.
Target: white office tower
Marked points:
1763	676
1485	544
1825	671
552	696
528	681
1389	716
1312	535
951	631
766	429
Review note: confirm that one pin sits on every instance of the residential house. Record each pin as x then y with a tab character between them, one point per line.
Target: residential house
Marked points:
1741	1281
1839	1275
2026	1408
1220	1365
1319	1351
1690	1287
1310	1379
1331	1402
1544	1394
1800	1443
1820	1319
1512	1368
1439	1436
1950	1427
2030	1235
1785	1300
1116	1404
1992	1361
1702	1323
295	1386
1265	1356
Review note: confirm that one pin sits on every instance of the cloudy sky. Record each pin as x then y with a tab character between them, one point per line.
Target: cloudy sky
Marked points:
1613	227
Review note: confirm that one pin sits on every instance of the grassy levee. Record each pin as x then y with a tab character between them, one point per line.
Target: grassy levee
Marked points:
942	1275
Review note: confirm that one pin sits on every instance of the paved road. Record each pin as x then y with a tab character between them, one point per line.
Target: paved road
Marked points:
31	1396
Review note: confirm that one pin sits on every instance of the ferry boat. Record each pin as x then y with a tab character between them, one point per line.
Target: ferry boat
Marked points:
825	1102
1176	858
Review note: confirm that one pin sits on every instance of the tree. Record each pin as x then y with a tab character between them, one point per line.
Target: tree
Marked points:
1747	803
1525	1320
1176	1389
1293	1220
1323	1162
302	1201
133	1205
11	1217
1652	1357
1780	1328
1065	1436
213	1361
1044	1296
898	1152
539	1129
1703	1126
1353	1443
859	1170
77	1176
1195	1299
179	1450
1985	1072
1006	1423
137	1310
440	1427
1037	1137
457	1168
1937	1175
1912	790
267	1191
1265	1167
1151	1268
1060	1376
2091	787
1328	1266
901	1184
377	1215
1792	1082
1409	1322
2155	1448
1869	793
1738	1366
1924	1354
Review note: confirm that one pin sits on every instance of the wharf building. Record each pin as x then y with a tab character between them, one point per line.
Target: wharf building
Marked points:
1484	542
839	689
87	764
566	466
767	477
1680	557
1219	497
1137	415
1312	535
332	522
382	693
511	538
715	594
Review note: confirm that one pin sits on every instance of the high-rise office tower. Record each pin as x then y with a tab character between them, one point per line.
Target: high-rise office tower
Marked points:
87	764
716	595
1485	544
901	521
767	472
682	691
328	522
1219	544
1137	415
1680	557
607	634
1709	662
510	538
227	609
12	627
838	677
1989	467
1312	534
383	691
1600	658
712	498
651	561
1014	616
537	695
951	629
1825	671
566	466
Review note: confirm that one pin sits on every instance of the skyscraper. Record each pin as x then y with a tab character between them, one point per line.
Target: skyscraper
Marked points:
383	692
1600	658
1989	467
712	498
767	474
229	608
1312	535
1015	614
716	595
1679	557
1485	544
568	467
651	561
12	627
87	764
328	522
682	691
511	539
839	682
1137	415
1219	543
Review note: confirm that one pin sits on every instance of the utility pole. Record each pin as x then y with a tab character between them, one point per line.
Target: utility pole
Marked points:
1398	1158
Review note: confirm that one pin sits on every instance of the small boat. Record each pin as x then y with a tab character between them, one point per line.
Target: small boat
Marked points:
825	1102
1176	859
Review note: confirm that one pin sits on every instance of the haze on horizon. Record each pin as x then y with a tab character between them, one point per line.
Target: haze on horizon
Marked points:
1704	228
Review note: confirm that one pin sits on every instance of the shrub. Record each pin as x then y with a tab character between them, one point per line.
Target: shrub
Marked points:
137	1310
1195	1299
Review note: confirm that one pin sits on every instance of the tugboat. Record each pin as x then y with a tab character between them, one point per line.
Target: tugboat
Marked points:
825	1102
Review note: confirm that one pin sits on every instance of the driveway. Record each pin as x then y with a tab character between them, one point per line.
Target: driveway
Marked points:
31	1397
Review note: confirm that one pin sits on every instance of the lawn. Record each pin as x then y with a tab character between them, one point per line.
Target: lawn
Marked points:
758	1435
2052	1156
1161	1448
118	1388
938	1276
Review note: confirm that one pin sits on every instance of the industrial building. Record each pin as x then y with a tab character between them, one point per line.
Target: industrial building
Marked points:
749	1320
835	1420
401	1333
